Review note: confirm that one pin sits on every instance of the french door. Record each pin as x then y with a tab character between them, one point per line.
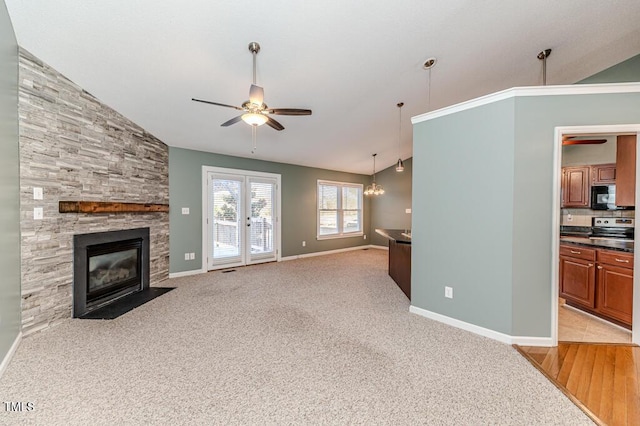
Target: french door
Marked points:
242	218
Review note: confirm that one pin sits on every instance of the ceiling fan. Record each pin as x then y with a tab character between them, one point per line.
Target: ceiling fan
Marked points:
255	111
581	140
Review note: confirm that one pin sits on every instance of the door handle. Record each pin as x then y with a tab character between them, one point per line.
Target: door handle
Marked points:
599	267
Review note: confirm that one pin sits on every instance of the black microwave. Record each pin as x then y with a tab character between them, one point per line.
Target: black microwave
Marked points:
603	197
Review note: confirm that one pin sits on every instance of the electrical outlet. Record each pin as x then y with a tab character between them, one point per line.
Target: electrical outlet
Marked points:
407	211
38	194
185	210
569	218
38	213
365	236
448	292
192	256
304	244
186	256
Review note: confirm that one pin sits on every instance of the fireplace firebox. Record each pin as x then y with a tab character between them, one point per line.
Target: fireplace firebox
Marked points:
108	266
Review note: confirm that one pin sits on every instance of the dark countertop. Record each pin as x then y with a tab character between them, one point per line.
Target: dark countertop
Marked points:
626	246
395	235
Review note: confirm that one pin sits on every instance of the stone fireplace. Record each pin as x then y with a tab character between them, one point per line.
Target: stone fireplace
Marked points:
75	148
108	266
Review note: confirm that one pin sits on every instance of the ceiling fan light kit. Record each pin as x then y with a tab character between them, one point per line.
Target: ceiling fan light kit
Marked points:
255	111
254	119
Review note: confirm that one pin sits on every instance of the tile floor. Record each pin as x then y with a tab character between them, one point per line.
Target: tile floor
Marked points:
575	326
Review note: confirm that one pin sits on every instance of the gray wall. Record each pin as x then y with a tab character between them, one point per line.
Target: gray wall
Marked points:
463	215
78	149
495	250
9	187
388	210
626	71
536	118
298	204
576	155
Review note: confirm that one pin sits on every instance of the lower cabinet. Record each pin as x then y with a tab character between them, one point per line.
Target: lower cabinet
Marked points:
599	281
615	285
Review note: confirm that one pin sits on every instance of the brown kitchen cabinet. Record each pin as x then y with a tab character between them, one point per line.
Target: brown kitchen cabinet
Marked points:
598	281
615	285
577	276
626	171
603	174
575	186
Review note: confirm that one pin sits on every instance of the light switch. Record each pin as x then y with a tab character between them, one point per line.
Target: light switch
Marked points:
38	194
407	211
185	210
38	213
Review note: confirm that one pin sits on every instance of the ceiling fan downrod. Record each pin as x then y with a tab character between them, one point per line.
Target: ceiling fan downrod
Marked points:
254	48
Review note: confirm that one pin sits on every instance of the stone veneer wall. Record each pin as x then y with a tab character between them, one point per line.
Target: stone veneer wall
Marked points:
76	148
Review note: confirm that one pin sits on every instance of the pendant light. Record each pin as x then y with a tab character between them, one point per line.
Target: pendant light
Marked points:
543	57
400	164
374	189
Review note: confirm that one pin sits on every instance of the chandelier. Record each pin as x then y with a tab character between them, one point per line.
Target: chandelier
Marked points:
374	189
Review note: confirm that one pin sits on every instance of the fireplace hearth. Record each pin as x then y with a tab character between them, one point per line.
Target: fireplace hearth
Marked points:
108	267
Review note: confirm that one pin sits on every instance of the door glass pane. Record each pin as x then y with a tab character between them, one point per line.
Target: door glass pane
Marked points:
261	229
328	222
227	208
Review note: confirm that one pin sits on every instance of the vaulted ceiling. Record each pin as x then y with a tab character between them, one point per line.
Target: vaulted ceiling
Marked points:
350	62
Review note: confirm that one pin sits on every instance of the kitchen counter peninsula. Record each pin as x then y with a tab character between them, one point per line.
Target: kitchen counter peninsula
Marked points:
399	257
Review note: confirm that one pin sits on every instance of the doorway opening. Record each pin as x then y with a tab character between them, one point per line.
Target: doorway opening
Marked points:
241	217
595	294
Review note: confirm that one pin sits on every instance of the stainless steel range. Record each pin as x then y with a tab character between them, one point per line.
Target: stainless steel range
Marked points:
613	228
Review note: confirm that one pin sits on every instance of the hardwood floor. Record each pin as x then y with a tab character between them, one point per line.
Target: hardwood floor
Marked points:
602	379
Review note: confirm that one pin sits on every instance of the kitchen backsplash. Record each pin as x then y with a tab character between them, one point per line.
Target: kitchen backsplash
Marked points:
582	217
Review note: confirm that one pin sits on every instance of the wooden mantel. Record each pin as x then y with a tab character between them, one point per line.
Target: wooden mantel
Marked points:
109	207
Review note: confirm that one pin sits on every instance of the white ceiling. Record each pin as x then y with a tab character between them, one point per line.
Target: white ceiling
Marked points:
350	62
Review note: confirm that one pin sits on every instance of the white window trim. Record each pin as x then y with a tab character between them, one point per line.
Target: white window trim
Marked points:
340	210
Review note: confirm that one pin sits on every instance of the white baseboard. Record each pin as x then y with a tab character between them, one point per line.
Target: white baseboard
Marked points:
322	253
286	258
546	342
186	273
485	332
12	350
374	246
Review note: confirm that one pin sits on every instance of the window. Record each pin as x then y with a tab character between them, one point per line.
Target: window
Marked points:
339	209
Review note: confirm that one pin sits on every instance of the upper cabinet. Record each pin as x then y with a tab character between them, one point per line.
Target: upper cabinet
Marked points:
575	186
626	171
603	174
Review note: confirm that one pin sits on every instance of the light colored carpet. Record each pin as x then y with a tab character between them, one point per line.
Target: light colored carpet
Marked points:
325	340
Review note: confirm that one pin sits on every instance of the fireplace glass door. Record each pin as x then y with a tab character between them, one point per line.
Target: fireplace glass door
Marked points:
112	267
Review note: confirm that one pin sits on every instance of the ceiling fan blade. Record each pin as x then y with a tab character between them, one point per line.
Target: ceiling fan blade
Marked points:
289	111
274	124
234	120
583	141
216	103
256	95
